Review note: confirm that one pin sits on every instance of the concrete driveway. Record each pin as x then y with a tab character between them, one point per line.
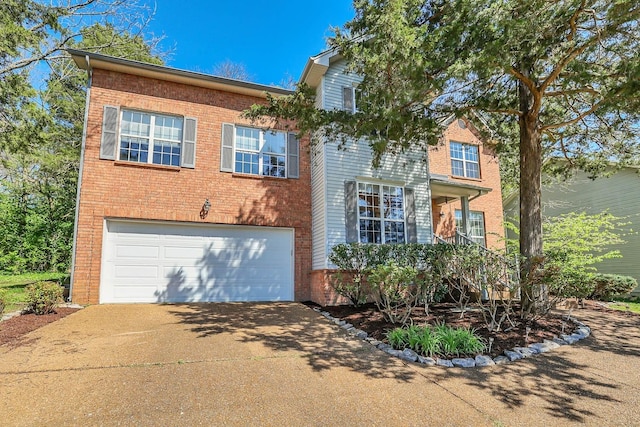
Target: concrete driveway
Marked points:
283	364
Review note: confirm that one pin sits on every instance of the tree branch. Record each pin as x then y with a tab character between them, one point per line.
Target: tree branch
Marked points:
593	108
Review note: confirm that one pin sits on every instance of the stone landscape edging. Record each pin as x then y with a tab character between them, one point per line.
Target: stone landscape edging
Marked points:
581	332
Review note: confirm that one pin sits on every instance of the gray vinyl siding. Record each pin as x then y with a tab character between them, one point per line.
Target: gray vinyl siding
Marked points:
318	202
619	194
355	164
318	198
333	82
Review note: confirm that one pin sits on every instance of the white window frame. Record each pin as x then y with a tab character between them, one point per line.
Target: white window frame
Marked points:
260	152
481	240
381	218
151	138
465	162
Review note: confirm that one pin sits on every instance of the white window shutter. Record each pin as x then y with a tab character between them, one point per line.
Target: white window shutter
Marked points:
293	156
188	159
347	99
226	148
109	142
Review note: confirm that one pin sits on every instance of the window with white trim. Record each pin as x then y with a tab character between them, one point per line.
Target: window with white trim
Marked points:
381	213
259	152
464	160
150	138
476	226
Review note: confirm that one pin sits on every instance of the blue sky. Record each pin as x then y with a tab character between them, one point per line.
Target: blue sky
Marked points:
272	39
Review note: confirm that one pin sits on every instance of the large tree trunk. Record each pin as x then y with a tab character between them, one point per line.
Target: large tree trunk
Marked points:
530	203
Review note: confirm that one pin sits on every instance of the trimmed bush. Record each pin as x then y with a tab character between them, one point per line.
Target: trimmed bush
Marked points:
610	285
395	290
43	297
353	261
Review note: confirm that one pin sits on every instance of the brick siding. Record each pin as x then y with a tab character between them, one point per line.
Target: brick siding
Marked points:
114	189
490	204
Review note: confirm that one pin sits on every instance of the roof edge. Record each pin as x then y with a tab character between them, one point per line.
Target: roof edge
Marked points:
88	60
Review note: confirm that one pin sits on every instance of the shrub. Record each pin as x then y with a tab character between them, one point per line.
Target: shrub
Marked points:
607	286
3	301
353	261
43	297
395	290
439	340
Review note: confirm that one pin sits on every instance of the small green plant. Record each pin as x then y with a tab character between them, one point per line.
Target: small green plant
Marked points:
397	338
429	342
43	297
440	340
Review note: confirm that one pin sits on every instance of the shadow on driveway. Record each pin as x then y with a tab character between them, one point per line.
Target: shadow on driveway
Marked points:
284	327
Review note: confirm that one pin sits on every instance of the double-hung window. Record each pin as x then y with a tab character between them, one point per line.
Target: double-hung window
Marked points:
259	152
150	138
464	160
476	226
381	213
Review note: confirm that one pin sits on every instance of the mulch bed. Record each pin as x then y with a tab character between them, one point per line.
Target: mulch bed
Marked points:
370	320
13	330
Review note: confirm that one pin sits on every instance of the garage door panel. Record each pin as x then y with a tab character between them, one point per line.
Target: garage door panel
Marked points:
138	251
168	262
136	271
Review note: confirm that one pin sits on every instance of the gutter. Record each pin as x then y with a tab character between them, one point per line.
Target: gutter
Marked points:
80	170
163	72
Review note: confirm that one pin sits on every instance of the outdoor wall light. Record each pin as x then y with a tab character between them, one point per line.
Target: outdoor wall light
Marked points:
205	209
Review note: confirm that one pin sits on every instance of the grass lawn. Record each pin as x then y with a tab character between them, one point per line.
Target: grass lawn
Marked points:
626	305
13	287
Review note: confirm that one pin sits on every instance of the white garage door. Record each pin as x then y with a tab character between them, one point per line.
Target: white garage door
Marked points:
166	262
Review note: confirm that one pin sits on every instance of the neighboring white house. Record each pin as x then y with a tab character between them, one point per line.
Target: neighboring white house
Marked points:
618	194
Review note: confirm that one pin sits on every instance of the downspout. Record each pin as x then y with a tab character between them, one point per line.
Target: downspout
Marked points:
81	167
476	196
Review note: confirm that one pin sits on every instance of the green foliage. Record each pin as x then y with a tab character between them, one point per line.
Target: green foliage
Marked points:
606	286
13	287
573	245
3	301
43	297
441	340
357	261
397	338
41	150
549	78
395	290
353	261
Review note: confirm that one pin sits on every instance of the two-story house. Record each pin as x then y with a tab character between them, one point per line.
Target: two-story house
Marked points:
182	199
405	200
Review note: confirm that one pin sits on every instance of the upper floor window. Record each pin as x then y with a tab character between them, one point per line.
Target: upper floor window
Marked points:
349	95
464	160
259	152
476	226
150	138
381	213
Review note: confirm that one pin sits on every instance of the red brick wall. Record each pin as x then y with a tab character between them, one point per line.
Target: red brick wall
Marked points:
124	190
490	204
